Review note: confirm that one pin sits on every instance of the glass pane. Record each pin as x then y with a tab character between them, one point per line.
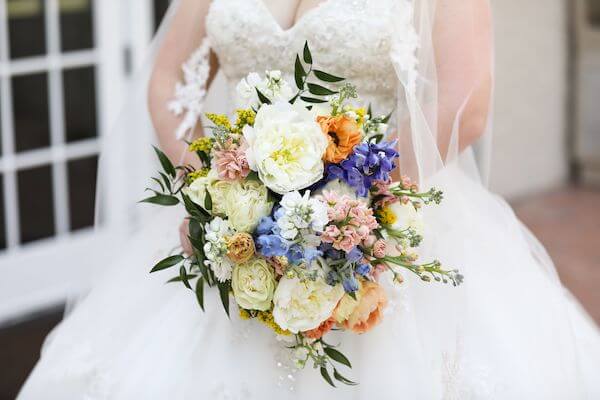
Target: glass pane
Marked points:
36	204
160	8
76	24
80	103
30	105
82	191
2	211
26	27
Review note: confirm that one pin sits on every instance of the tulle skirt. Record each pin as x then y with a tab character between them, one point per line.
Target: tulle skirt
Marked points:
510	332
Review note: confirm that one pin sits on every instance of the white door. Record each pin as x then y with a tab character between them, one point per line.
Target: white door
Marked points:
61	78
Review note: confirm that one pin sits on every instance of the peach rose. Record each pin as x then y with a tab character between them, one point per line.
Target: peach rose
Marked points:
321	330
240	247
369	311
342	134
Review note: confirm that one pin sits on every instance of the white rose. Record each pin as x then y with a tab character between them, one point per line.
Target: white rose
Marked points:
407	216
245	204
303	305
196	190
253	283
285	147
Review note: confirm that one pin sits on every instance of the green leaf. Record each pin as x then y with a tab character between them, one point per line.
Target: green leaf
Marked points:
200	292
370	111
339	377
319	90
208	201
162	187
166	180
224	294
307	55
165	162
325	375
183	276
312	100
299	73
325	77
263	99
167	263
162	200
178	278
386	119
337	356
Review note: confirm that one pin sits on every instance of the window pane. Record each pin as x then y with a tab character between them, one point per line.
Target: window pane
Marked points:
80	103
82	191
26	27
2	211
30	105
160	8
76	24
36	205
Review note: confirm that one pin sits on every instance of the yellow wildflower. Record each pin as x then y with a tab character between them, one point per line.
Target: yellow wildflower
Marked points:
203	144
220	120
361	112
244	117
266	317
386	216
192	176
245	314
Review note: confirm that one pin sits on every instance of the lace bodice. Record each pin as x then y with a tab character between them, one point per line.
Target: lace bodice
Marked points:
348	38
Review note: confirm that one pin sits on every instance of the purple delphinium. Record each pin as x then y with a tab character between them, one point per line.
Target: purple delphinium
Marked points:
368	162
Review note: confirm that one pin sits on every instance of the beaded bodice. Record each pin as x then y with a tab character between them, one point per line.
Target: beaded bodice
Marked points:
347	38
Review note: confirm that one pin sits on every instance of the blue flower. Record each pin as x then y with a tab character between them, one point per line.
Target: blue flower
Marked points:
295	254
329	252
350	285
271	245
363	269
367	163
355	255
265	226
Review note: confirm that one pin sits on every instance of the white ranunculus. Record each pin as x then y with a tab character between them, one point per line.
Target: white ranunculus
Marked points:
273	86
245	204
303	305
407	216
196	191
286	147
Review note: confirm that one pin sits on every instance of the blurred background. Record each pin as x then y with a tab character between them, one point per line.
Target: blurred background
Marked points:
64	69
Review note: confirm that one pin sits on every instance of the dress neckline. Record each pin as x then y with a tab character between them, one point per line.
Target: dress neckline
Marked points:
298	21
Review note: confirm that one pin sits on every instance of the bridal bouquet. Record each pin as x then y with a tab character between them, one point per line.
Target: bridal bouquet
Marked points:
294	213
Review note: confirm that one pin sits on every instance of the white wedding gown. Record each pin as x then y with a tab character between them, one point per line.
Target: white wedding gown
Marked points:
510	332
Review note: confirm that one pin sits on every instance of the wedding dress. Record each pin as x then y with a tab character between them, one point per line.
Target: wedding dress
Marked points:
510	332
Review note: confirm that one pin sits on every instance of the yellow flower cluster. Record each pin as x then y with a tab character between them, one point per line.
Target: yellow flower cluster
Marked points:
244	117
387	216
203	144
245	314
192	176
361	112
220	120
266	317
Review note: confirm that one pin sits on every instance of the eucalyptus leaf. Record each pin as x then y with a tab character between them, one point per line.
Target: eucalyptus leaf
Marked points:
299	73
165	162
168	262
337	356
312	100
326	376
326	77
319	90
263	99
200	292
306	54
162	200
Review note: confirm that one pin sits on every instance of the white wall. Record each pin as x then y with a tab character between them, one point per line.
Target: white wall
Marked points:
530	152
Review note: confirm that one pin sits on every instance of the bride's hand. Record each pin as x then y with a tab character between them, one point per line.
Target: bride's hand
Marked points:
184	232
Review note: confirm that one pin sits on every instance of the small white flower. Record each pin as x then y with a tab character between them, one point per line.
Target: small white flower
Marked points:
273	86
215	248
301	214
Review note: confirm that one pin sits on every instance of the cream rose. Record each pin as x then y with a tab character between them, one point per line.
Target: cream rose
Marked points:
196	190
245	203
286	147
303	305
253	284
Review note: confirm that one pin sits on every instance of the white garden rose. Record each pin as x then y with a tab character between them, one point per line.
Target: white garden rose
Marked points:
196	190
253	284
286	147
303	305
406	216
245	204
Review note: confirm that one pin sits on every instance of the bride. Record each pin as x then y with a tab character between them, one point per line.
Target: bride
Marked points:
510	332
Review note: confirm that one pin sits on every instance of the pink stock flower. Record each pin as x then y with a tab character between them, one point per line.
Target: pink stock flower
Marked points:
231	163
379	248
383	193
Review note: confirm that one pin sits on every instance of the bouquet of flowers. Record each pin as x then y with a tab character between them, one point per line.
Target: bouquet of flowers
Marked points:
294	213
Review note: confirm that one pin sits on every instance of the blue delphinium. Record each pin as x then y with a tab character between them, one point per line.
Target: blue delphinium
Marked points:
271	245
363	269
350	284
367	163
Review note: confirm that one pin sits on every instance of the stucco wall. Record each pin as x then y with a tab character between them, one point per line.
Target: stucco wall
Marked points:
530	116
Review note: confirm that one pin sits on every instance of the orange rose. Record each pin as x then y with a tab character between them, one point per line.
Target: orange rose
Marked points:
321	330
342	133
369	311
